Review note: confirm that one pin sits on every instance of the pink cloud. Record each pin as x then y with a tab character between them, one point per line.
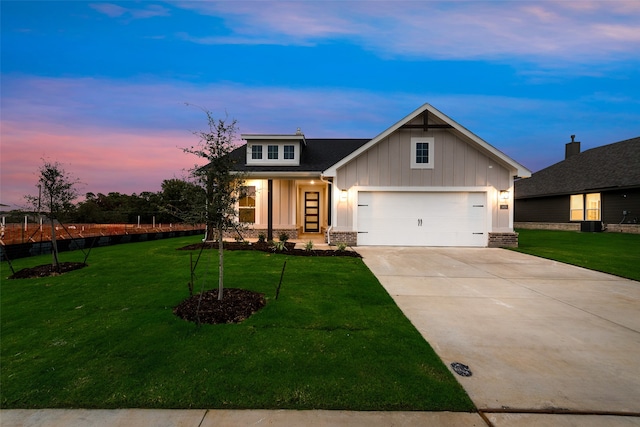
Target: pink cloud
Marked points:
104	161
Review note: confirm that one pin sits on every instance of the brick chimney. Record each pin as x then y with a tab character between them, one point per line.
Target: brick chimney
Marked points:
572	148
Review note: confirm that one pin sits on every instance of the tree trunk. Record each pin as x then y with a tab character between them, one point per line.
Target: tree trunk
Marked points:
55	264
220	264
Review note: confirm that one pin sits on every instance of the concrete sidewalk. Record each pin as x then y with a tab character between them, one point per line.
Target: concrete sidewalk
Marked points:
282	418
229	418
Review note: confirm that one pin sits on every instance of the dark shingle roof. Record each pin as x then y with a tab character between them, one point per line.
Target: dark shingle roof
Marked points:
317	156
610	166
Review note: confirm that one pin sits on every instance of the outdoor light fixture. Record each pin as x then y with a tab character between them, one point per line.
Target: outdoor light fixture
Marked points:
504	195
343	195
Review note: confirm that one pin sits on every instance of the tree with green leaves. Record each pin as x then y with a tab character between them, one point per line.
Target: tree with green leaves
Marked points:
57	189
183	200
221	183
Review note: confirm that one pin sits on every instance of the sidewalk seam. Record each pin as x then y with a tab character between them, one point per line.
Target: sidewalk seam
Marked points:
206	411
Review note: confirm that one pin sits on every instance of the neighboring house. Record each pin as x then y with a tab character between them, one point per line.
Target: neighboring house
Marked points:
425	181
589	191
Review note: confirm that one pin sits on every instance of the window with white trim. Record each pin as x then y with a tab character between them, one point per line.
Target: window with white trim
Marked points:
577	207
422	153
247	205
289	152
585	207
256	152
272	153
592	207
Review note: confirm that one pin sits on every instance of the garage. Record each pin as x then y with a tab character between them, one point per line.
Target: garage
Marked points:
408	218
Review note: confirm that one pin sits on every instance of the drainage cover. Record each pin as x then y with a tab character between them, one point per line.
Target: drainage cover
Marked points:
461	369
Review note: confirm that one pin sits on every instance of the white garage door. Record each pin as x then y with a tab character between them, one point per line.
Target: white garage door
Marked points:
422	219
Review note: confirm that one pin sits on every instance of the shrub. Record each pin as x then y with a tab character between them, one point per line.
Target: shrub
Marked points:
262	237
279	246
284	237
341	246
308	246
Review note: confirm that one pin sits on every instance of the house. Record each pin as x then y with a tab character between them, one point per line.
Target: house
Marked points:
425	181
590	191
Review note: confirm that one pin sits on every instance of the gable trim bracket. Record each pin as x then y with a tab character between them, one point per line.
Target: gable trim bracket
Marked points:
425	126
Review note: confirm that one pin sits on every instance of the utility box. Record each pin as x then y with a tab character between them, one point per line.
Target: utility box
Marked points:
591	226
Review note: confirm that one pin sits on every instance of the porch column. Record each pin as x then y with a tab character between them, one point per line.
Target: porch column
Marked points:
269	210
329	204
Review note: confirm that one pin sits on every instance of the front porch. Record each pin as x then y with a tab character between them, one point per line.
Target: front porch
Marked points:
299	207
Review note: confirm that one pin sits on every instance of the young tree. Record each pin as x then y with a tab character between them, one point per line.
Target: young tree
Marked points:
57	189
221	184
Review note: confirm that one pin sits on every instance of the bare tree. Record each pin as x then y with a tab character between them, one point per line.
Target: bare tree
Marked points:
57	189
222	185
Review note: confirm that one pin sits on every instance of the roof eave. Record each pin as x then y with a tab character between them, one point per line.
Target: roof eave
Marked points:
518	170
273	137
280	174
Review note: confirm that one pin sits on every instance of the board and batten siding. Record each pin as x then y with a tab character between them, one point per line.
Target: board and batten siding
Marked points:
457	163
284	202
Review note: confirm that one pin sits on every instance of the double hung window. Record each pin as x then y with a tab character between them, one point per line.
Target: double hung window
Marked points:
256	152
585	207
247	205
289	152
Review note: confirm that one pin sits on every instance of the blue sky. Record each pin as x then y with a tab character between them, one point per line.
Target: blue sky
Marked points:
112	90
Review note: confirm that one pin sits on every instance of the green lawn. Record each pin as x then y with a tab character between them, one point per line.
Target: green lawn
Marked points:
614	253
105	337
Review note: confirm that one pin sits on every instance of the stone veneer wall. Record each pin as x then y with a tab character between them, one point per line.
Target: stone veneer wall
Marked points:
503	240
575	226
350	238
623	228
252	233
567	226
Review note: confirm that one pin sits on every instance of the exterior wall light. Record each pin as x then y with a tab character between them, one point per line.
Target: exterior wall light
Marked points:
504	195
343	195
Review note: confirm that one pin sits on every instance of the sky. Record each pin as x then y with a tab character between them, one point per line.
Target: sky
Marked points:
114	90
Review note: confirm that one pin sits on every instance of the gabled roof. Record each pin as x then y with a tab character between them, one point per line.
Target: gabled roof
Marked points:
607	167
316	156
509	163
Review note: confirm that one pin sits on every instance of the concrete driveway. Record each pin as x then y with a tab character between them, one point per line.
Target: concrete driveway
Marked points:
540	337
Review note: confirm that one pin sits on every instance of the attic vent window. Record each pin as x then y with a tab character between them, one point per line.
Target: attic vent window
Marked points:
422	153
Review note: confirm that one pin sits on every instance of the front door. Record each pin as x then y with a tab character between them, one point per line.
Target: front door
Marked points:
311	212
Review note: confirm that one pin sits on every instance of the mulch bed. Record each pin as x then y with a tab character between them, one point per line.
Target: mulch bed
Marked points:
236	306
46	270
266	247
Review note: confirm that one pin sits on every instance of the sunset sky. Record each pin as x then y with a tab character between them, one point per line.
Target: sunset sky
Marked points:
113	90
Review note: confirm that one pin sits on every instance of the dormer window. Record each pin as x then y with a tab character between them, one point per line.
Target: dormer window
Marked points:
274	150
289	152
256	152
